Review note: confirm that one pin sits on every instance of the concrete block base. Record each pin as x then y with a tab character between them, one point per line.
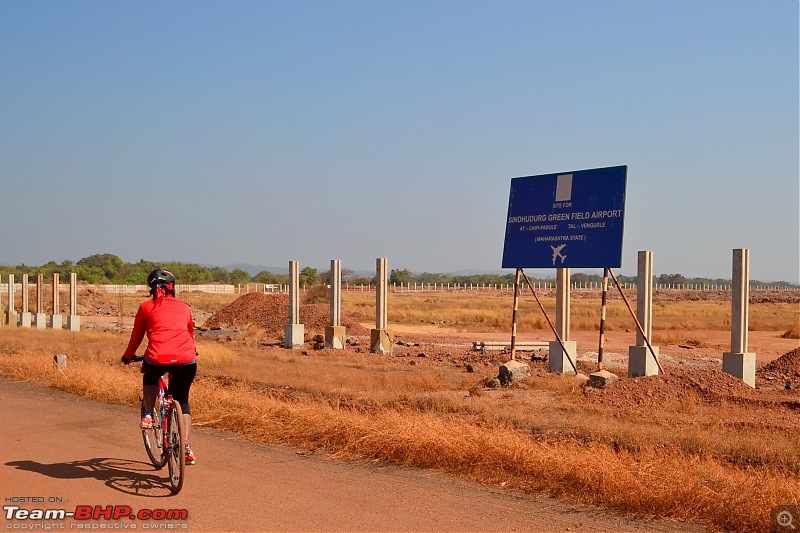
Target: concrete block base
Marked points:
12	319
601	378
56	322
73	322
335	337
294	336
381	341
741	365
558	361
40	320
641	362
25	320
513	371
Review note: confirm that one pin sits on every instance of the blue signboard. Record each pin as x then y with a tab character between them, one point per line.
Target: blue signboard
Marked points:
566	220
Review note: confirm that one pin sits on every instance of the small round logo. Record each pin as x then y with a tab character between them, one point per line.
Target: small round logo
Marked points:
785	519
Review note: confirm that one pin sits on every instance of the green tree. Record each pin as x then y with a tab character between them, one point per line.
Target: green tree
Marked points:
308	277
108	266
401	276
136	273
268	278
580	277
47	269
674	279
240	277
65	269
481	279
220	275
192	274
431	278
17	271
91	274
265	277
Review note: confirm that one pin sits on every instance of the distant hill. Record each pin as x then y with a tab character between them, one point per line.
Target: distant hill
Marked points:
255	269
473	272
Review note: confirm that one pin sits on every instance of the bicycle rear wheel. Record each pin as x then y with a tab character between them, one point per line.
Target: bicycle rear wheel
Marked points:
154	439
176	447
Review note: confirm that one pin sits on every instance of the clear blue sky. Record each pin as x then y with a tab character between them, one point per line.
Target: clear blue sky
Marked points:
267	131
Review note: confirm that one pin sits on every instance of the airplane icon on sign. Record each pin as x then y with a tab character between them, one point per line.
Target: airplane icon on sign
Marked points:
557	253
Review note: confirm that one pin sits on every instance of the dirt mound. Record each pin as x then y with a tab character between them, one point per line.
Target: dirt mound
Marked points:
678	385
94	302
786	366
270	312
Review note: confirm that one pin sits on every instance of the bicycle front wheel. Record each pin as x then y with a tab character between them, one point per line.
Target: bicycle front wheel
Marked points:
154	440
176	447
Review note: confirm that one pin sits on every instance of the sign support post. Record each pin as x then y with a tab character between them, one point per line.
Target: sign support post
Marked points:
603	305
514	316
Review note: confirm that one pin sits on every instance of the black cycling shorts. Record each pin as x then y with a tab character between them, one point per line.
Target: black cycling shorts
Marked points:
180	380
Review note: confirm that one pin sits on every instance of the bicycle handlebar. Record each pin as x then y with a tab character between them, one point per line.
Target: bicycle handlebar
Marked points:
140	358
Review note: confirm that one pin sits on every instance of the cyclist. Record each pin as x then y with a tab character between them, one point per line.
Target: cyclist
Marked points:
169	326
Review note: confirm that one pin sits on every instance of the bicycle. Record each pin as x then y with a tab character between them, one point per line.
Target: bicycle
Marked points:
165	442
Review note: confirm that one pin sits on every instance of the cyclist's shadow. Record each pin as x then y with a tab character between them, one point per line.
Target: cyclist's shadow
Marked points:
131	477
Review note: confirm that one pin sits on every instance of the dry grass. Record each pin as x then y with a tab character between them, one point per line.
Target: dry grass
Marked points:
215	355
318	294
491	312
544	436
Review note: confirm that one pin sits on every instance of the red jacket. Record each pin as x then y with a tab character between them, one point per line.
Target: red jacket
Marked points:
170	332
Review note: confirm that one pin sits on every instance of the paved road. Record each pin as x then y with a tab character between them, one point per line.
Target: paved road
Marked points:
56	446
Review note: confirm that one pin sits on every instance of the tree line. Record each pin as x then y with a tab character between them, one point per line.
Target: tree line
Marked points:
110	269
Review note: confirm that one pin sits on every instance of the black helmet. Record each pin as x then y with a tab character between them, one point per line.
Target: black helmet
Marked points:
160	278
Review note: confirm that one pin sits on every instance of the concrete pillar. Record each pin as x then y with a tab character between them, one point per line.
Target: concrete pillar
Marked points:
55	318
25	315
11	315
336	293
294	331
640	360
381	340
558	359
335	332
739	362
644	296
73	320
40	318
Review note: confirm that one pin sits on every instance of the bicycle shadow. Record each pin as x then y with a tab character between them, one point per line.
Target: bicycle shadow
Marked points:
131	477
